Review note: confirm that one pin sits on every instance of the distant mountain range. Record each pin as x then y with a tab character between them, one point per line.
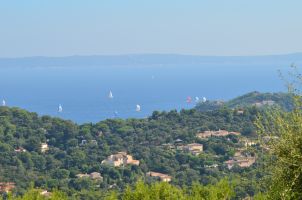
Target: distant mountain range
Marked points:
148	59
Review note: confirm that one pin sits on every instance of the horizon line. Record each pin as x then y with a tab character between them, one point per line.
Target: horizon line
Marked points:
151	54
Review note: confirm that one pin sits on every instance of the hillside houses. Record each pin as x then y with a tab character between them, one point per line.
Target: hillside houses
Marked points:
93	176
219	133
240	161
160	176
120	159
264	103
193	148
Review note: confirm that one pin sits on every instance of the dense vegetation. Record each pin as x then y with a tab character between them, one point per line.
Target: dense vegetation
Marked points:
142	138
76	149
160	190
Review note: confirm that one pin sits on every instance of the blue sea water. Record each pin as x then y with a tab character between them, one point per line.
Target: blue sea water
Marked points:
83	91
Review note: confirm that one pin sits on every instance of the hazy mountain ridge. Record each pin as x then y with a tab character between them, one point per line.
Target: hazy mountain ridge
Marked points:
147	59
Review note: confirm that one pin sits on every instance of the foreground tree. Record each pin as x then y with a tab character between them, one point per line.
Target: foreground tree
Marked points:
283	138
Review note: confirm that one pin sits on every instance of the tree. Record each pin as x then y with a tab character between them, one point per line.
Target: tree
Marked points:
283	130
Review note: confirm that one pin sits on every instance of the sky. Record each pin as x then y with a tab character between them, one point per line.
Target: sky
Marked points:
110	27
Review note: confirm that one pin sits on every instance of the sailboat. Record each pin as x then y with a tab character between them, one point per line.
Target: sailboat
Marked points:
110	96
204	99
138	108
60	108
189	99
3	103
197	99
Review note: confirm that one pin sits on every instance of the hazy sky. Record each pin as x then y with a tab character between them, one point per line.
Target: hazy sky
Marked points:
203	27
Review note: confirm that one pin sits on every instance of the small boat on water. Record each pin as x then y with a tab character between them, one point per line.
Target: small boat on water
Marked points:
60	108
204	99
197	99
138	108
110	96
3	103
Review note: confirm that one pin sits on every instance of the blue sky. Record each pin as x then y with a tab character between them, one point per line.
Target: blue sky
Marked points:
200	27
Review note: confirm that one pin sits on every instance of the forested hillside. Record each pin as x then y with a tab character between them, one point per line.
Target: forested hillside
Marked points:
72	151
260	100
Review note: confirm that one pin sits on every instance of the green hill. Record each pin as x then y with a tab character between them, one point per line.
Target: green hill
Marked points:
283	100
79	149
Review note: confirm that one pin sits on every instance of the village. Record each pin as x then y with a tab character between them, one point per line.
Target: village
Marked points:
241	158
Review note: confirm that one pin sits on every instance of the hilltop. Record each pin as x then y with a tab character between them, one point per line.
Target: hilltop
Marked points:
260	100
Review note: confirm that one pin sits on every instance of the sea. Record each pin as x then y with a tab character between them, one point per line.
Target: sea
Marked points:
83	91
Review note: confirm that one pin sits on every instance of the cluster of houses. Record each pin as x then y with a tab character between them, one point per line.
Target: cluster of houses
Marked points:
193	148
219	133
240	160
120	159
92	176
123	159
264	103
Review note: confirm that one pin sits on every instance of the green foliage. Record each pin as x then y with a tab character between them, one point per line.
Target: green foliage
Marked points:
75	149
286	150
34	194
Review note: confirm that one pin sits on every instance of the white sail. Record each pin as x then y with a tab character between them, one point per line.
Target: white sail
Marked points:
110	96
204	99
60	108
197	99
3	103
138	108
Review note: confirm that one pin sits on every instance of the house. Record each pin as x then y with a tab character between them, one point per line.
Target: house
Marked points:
96	176
119	159
193	148
240	112
162	177
93	176
219	133
7	186
19	150
178	141
241	162
82	175
44	147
